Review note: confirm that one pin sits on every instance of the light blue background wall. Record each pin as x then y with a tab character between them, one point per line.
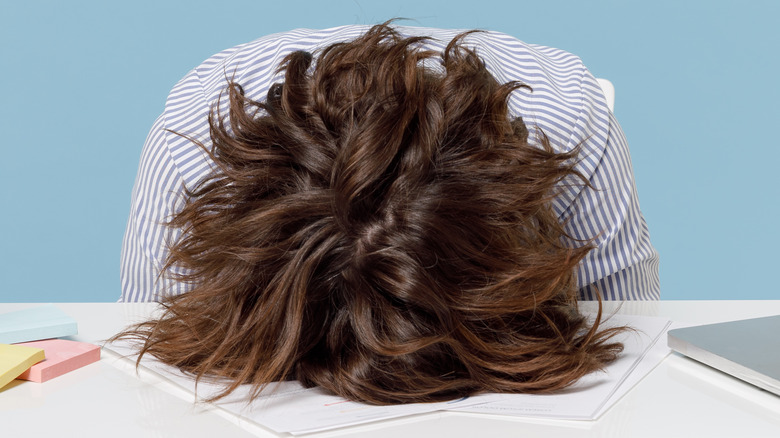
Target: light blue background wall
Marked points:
697	95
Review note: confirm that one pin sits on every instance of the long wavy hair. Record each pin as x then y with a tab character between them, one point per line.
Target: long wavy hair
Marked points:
381	229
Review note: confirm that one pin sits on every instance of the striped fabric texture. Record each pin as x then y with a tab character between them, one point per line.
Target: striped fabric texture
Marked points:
566	103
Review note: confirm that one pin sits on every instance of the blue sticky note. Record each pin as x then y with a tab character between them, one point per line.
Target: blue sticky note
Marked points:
37	323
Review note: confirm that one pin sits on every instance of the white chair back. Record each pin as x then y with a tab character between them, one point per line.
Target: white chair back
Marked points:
609	92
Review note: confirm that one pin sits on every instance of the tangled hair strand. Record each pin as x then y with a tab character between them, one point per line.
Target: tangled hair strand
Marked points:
381	229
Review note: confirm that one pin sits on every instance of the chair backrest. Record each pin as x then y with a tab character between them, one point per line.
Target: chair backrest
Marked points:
609	92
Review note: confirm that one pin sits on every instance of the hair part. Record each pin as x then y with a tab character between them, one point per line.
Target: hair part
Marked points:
380	229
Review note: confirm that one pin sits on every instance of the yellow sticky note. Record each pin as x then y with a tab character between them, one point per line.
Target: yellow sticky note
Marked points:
16	359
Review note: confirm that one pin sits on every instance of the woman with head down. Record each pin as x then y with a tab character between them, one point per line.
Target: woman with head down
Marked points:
393	214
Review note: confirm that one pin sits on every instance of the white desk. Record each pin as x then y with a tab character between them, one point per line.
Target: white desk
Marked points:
680	398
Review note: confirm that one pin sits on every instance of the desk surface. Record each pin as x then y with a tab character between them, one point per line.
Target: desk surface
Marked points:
679	398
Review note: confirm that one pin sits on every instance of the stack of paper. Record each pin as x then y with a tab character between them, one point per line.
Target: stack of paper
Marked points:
288	407
35	355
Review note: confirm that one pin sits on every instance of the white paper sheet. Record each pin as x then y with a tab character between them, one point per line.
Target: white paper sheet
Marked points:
289	407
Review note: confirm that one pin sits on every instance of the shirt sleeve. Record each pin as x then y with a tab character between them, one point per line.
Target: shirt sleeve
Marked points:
624	264
157	194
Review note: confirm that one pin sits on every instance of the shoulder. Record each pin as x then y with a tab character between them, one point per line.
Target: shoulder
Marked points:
253	65
565	100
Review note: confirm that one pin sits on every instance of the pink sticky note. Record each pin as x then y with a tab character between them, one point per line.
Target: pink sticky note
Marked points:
62	356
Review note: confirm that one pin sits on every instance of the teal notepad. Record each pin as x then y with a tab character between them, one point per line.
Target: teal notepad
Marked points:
43	322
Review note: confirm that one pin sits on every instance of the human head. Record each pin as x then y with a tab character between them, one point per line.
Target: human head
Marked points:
379	226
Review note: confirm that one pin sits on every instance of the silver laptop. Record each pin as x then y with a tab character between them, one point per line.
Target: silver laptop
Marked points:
748	349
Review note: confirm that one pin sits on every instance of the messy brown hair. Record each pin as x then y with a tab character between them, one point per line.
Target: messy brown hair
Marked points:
382	228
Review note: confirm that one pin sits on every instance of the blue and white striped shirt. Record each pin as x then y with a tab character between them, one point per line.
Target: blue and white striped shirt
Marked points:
566	103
